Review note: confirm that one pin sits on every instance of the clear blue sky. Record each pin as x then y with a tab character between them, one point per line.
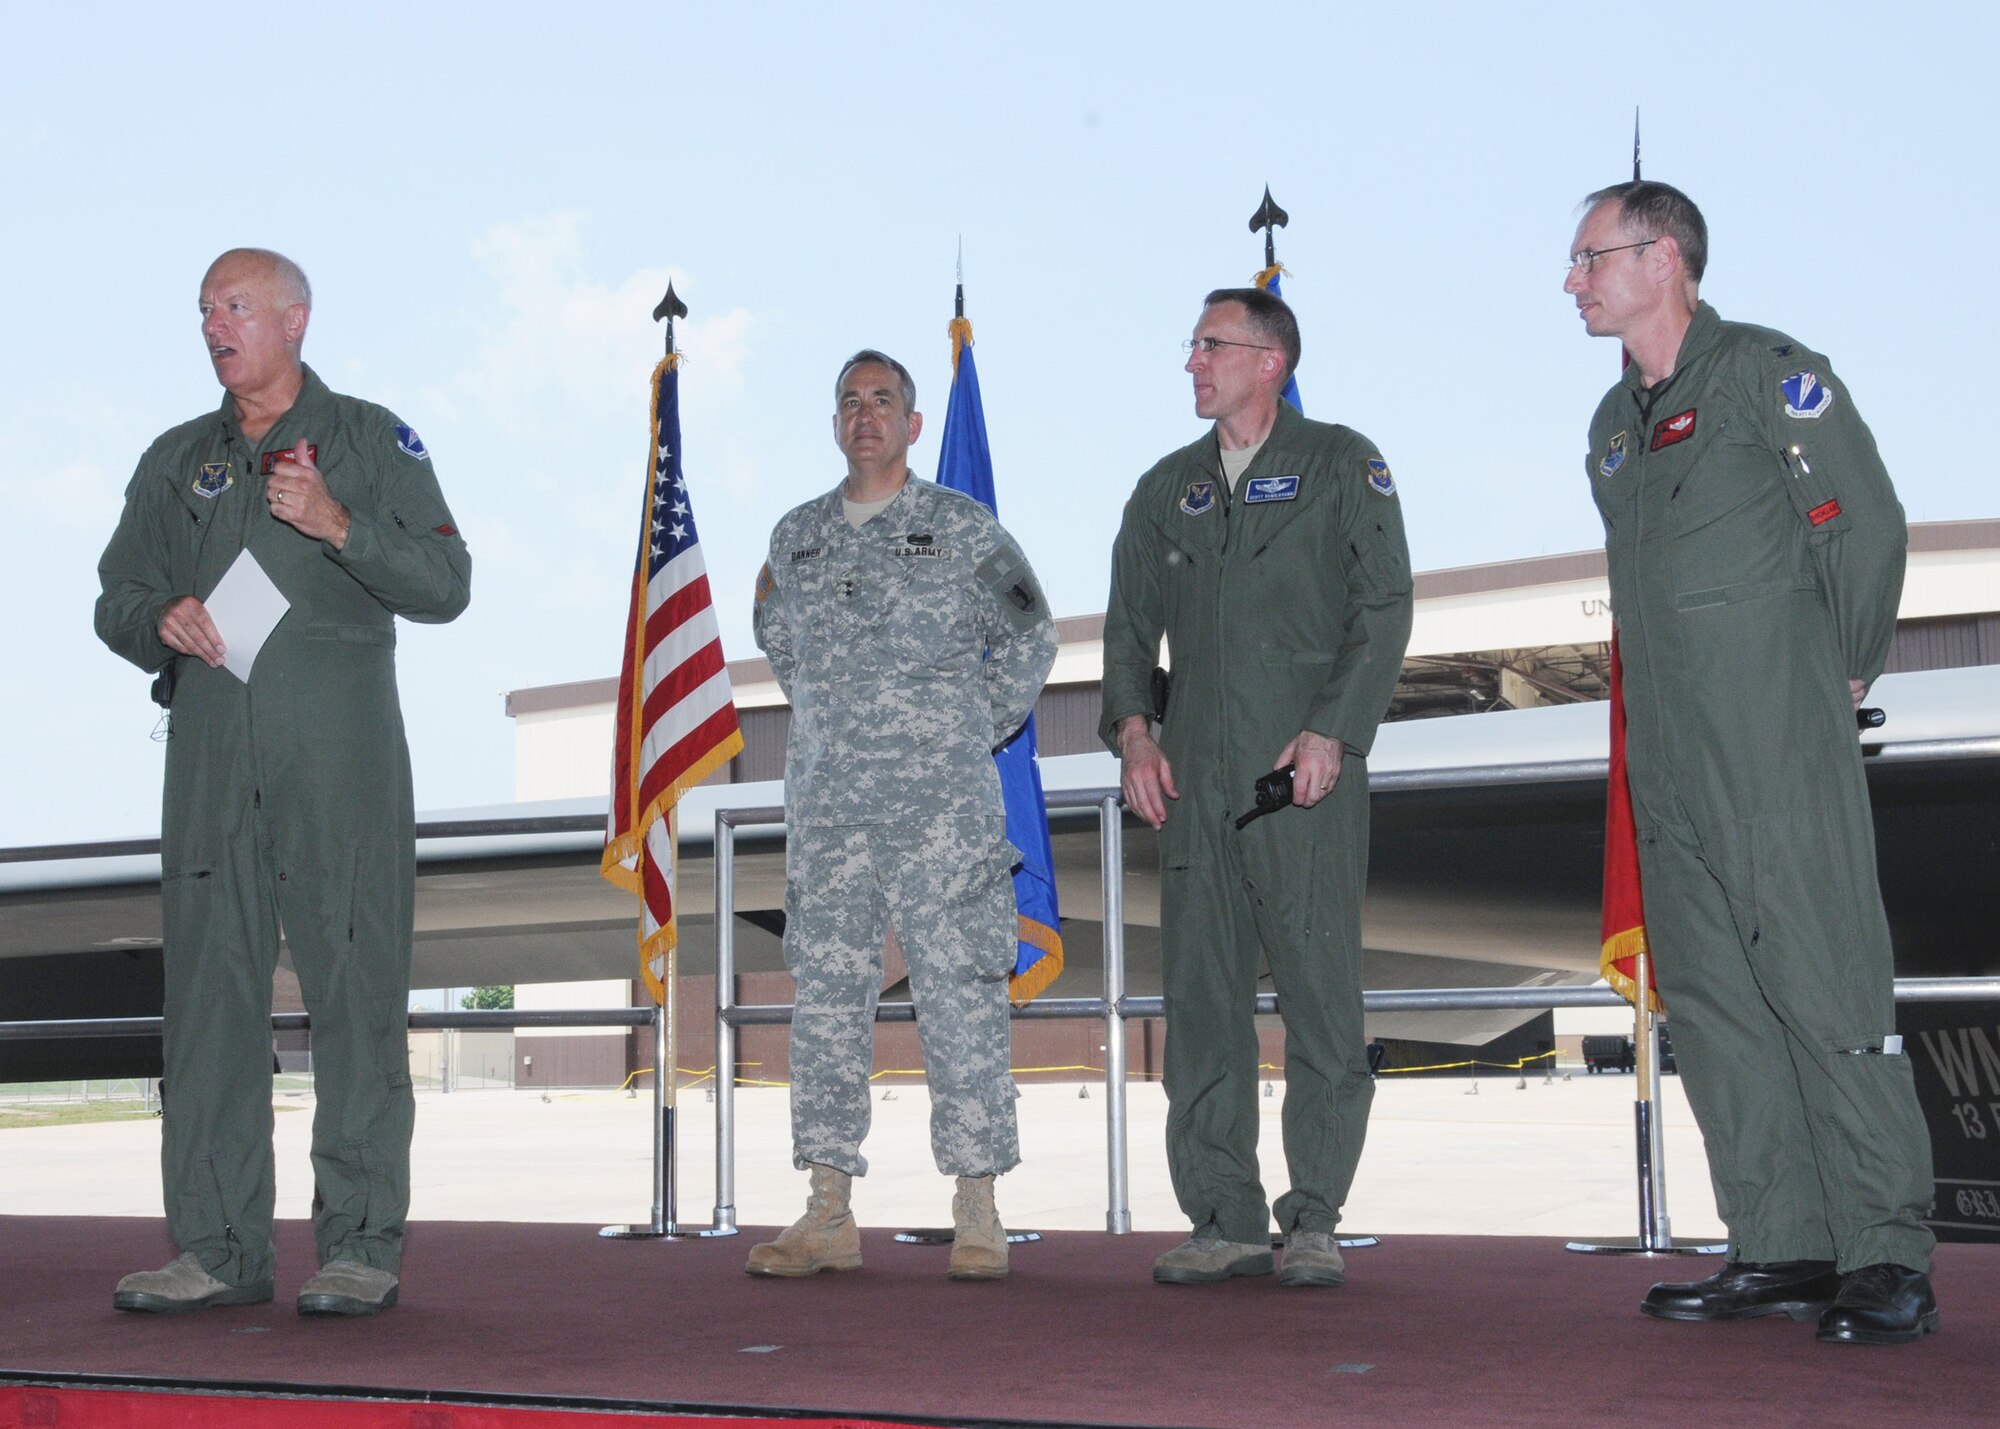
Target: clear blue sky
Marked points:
490	199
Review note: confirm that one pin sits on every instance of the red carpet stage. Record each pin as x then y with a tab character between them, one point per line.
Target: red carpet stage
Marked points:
505	1326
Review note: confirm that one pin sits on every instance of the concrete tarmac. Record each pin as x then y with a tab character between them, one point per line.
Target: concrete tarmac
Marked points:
1499	1154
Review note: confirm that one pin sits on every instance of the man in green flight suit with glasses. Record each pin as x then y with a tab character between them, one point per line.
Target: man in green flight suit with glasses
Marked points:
288	799
1756	553
1270	554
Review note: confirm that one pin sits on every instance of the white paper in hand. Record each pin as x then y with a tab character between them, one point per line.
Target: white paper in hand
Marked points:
246	608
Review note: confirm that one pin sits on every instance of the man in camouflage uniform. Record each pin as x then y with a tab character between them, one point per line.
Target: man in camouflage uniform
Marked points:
911	638
288	798
1756	554
1270	554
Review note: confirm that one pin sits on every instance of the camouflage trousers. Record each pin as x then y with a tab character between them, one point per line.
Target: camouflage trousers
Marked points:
945	883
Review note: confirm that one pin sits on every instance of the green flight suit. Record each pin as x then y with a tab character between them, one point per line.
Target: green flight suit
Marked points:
1285	608
287	802
1756	552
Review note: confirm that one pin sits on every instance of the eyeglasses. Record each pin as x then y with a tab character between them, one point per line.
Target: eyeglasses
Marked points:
1586	258
1210	344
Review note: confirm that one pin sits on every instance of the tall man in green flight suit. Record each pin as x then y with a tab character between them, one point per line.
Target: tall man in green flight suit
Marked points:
287	801
1270	554
1756	554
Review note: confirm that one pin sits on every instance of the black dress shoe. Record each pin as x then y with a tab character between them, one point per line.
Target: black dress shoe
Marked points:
1880	1305
1742	1290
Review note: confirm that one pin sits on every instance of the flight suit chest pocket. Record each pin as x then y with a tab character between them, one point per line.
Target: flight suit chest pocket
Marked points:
1712	480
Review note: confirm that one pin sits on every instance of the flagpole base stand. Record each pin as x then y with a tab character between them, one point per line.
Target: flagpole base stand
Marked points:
1632	1245
667	1233
945	1237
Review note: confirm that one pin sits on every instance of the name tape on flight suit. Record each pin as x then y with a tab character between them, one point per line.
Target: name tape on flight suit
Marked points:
1674	429
1273	488
267	462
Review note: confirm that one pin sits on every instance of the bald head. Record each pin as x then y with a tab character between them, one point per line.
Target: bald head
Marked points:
287	279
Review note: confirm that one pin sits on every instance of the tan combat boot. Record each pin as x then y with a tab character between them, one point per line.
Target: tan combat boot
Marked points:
824	1238
978	1244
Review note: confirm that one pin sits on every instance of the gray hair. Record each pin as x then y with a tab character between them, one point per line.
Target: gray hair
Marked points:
1655	210
869	355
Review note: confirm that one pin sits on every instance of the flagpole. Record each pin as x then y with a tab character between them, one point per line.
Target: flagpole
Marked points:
665	1221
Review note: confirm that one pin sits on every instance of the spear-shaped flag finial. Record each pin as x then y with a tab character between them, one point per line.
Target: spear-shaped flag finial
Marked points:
670	308
958	301
1267	217
1635	143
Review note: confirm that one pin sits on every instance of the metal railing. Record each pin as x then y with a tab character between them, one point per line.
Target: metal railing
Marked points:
1115	1007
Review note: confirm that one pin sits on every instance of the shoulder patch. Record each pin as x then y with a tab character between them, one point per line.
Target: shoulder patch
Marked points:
1199	497
1614	457
411	443
1806	395
213	479
765	582
1379	479
1005	573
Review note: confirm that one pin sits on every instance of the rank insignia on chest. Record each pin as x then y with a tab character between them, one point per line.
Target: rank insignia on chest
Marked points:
1614	457
1677	428
213	479
266	461
1272	488
1806	395
1200	497
1379	479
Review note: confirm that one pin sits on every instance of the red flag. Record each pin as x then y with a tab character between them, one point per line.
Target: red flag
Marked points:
1624	927
675	721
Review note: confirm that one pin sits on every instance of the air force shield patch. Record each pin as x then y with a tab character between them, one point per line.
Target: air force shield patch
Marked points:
1379	479
1272	488
213	479
1614	457
1806	395
411	443
1199	498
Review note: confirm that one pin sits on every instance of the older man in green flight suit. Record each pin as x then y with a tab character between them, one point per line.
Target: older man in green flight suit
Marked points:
1756	553
1270	554
287	800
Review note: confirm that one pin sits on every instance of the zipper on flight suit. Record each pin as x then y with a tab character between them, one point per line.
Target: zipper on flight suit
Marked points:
1228	503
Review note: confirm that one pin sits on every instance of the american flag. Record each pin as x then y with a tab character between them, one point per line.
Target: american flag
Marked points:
675	720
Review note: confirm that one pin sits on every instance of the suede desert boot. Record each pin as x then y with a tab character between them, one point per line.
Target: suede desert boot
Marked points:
978	1242
824	1238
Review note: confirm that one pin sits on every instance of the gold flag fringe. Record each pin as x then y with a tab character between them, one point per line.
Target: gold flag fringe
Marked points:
1023	988
961	338
1628	944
